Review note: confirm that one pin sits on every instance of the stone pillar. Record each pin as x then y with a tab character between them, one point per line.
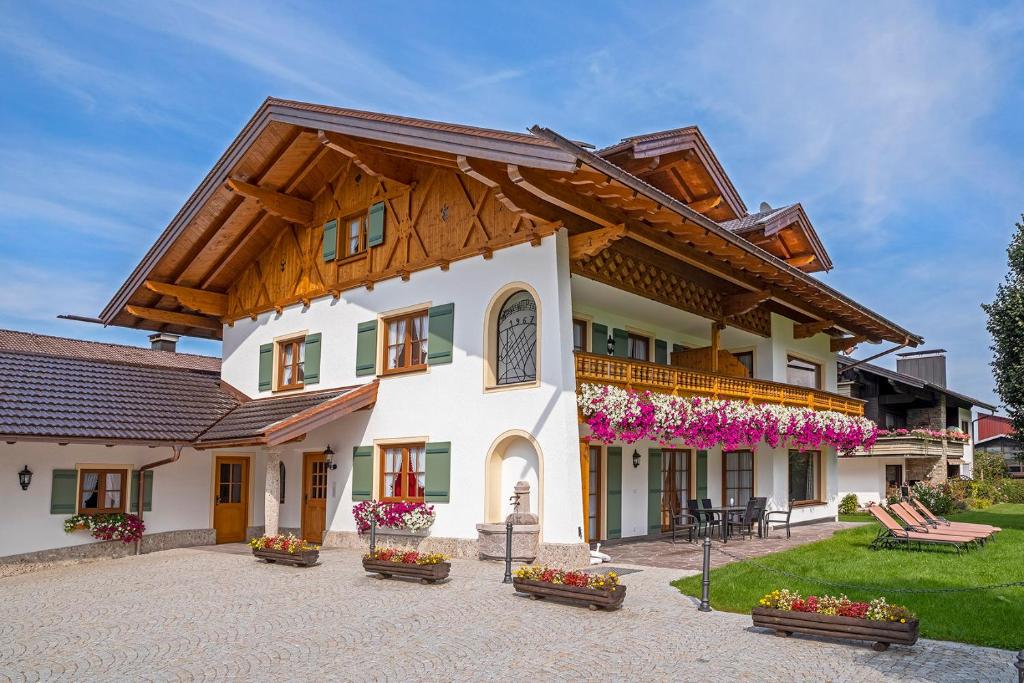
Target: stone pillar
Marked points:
271	495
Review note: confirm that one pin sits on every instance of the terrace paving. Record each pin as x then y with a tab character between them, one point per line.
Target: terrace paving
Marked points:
217	614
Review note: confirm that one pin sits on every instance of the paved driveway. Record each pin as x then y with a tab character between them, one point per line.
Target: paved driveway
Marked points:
216	614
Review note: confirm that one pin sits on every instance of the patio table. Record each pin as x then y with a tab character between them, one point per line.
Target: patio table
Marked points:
723	512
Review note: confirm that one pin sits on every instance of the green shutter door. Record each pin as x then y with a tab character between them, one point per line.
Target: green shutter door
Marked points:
266	366
661	351
438	472
362	473
375	225
621	338
147	488
654	490
702	474
330	248
613	507
366	348
63	492
441	332
311	364
598	338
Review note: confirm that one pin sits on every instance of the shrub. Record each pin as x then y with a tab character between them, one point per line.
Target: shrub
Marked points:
936	498
1012	490
848	505
988	466
977	503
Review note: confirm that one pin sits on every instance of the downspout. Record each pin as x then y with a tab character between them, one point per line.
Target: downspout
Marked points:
142	488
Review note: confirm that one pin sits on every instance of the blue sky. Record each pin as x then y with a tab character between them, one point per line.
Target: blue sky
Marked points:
900	126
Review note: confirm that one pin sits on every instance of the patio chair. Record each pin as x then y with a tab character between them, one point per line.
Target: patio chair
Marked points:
783	518
942	522
892	535
706	503
910	515
745	520
760	505
683	521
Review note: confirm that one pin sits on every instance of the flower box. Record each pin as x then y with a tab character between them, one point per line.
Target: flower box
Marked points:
594	598
425	573
883	633
304	558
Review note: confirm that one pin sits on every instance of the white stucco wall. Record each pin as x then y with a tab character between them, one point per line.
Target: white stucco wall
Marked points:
446	402
865	477
181	491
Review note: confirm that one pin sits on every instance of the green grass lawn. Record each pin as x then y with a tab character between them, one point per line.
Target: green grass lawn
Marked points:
856	517
991	617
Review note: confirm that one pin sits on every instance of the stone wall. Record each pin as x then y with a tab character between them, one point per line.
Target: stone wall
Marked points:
933	417
931	470
112	549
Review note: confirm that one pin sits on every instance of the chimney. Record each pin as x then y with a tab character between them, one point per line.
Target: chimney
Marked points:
928	365
162	341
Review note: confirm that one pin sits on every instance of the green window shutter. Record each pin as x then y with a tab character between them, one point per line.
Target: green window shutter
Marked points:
375	225
654	490
63	492
678	347
311	365
366	348
147	487
613	512
702	474
441	333
362	473
598	338
438	472
661	351
266	366
330	240
621	338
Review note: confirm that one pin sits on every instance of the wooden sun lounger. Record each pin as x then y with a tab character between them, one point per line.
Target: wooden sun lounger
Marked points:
916	522
942	521
892	535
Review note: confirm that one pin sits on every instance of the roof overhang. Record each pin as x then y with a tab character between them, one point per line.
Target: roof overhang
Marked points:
793	218
296	426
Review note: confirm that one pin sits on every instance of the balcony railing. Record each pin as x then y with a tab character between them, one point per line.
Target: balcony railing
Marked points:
914	447
665	379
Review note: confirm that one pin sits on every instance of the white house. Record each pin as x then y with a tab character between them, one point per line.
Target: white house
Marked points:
407	309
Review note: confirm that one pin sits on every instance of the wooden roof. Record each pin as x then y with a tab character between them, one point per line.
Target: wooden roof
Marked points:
274	175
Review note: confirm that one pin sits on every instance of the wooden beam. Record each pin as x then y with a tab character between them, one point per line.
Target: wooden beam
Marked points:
371	161
564	197
705	205
716	341
844	344
285	206
211	303
800	261
174	318
738	304
807	330
593	242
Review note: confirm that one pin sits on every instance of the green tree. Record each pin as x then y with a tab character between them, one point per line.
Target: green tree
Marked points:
1006	325
988	466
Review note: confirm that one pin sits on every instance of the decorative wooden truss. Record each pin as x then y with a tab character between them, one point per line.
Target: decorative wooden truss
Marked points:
249	239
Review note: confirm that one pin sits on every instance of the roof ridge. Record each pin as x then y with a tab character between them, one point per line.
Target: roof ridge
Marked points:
111	361
106	344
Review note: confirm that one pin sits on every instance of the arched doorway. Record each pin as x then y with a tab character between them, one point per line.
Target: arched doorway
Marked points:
514	456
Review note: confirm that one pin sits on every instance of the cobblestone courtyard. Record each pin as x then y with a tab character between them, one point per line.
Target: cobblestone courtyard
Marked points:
201	614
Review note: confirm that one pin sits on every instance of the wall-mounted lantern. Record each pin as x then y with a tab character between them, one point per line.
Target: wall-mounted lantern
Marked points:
636	458
25	478
329	455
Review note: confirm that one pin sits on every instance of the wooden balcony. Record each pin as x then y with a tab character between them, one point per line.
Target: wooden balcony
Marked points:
913	447
666	379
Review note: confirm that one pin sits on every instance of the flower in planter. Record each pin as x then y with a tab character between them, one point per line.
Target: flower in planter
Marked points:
388	554
398	515
126	528
841	606
561	577
290	544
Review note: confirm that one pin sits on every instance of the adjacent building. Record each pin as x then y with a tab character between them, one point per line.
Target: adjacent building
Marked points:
926	426
996	435
407	309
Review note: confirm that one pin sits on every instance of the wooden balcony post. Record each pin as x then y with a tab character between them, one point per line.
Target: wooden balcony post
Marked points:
716	331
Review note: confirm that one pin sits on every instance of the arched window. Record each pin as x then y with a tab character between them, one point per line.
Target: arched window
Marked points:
280	470
516	357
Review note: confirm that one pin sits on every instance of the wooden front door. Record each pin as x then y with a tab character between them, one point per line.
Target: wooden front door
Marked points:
231	499
314	497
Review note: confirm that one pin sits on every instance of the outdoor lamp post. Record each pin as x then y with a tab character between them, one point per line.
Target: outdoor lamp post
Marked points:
25	478
636	458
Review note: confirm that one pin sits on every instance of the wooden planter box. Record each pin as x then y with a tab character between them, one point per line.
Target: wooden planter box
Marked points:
426	573
306	558
591	597
883	633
